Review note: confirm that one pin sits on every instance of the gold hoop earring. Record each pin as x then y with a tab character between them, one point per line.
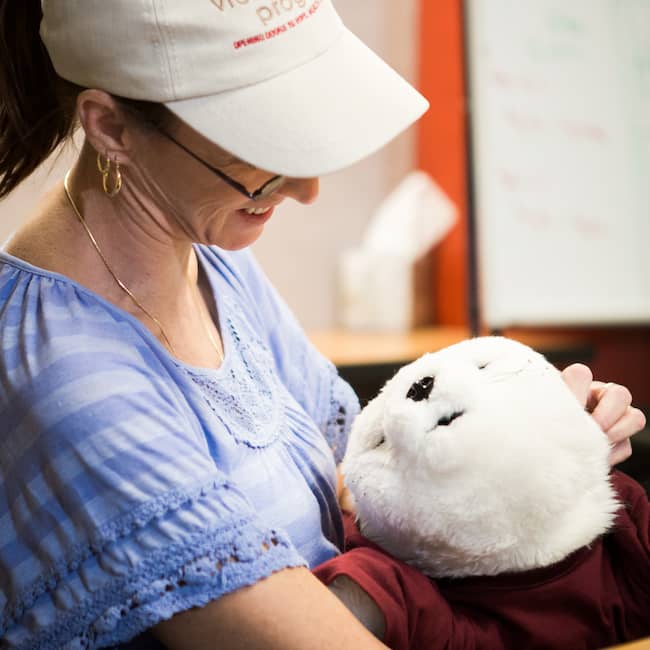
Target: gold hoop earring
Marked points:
105	170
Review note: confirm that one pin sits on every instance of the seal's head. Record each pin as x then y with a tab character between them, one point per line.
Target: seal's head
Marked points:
479	460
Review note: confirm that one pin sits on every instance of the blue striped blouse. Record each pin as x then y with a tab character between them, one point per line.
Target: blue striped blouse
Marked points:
133	486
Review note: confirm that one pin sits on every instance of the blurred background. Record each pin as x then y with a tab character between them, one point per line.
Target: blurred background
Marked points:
301	248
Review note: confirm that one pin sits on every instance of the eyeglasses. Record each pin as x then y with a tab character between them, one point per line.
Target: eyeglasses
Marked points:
268	188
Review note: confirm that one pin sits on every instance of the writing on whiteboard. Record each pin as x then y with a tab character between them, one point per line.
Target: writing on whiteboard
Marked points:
561	136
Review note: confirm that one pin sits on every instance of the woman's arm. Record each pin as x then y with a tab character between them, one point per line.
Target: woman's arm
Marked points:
290	610
611	406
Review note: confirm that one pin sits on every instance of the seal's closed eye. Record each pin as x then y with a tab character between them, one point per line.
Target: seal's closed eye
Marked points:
421	389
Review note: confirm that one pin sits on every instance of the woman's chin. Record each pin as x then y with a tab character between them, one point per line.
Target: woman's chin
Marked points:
236	241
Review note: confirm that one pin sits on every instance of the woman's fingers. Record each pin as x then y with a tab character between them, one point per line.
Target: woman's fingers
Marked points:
579	379
612	402
610	405
632	421
620	451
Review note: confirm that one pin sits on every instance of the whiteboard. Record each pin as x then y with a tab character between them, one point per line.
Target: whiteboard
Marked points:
560	123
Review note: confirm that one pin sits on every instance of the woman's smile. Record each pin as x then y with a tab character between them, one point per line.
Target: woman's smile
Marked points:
257	215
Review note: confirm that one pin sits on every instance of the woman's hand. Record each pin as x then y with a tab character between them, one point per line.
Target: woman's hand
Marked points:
346	500
611	407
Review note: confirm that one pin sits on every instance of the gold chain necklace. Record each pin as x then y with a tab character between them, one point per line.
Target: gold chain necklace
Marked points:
66	187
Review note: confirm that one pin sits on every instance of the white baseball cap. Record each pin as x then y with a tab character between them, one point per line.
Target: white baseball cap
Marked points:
281	84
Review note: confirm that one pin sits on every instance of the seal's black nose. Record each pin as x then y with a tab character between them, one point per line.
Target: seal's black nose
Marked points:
421	389
446	420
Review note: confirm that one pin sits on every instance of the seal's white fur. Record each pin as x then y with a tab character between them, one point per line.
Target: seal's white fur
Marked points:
517	482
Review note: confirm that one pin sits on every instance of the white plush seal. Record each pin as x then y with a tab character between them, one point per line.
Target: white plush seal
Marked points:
479	460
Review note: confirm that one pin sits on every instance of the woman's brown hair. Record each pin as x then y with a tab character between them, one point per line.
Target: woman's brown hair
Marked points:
37	107
35	115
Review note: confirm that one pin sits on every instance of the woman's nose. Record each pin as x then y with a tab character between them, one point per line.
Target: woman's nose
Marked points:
303	190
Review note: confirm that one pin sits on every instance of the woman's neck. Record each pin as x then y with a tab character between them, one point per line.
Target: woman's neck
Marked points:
145	251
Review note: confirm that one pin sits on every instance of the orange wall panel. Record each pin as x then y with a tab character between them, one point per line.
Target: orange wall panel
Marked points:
442	146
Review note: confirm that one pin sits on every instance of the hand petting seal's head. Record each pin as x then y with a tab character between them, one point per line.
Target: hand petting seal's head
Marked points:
478	460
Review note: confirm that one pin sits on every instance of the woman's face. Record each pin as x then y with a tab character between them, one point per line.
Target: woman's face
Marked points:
197	203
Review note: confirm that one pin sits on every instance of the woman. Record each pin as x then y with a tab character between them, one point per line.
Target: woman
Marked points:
164	469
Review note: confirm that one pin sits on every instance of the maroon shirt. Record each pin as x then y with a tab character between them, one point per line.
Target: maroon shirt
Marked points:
598	596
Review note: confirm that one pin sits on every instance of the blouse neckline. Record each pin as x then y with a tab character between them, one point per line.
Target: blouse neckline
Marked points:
143	331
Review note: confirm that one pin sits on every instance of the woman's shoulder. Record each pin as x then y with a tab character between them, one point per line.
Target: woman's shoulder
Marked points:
49	310
58	338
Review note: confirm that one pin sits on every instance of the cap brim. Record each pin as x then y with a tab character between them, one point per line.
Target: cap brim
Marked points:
314	119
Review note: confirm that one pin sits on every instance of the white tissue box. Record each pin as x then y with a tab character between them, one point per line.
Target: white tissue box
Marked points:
386	282
386	293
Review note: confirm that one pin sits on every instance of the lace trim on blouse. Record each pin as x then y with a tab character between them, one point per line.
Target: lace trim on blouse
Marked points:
343	408
245	388
194	584
181	574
